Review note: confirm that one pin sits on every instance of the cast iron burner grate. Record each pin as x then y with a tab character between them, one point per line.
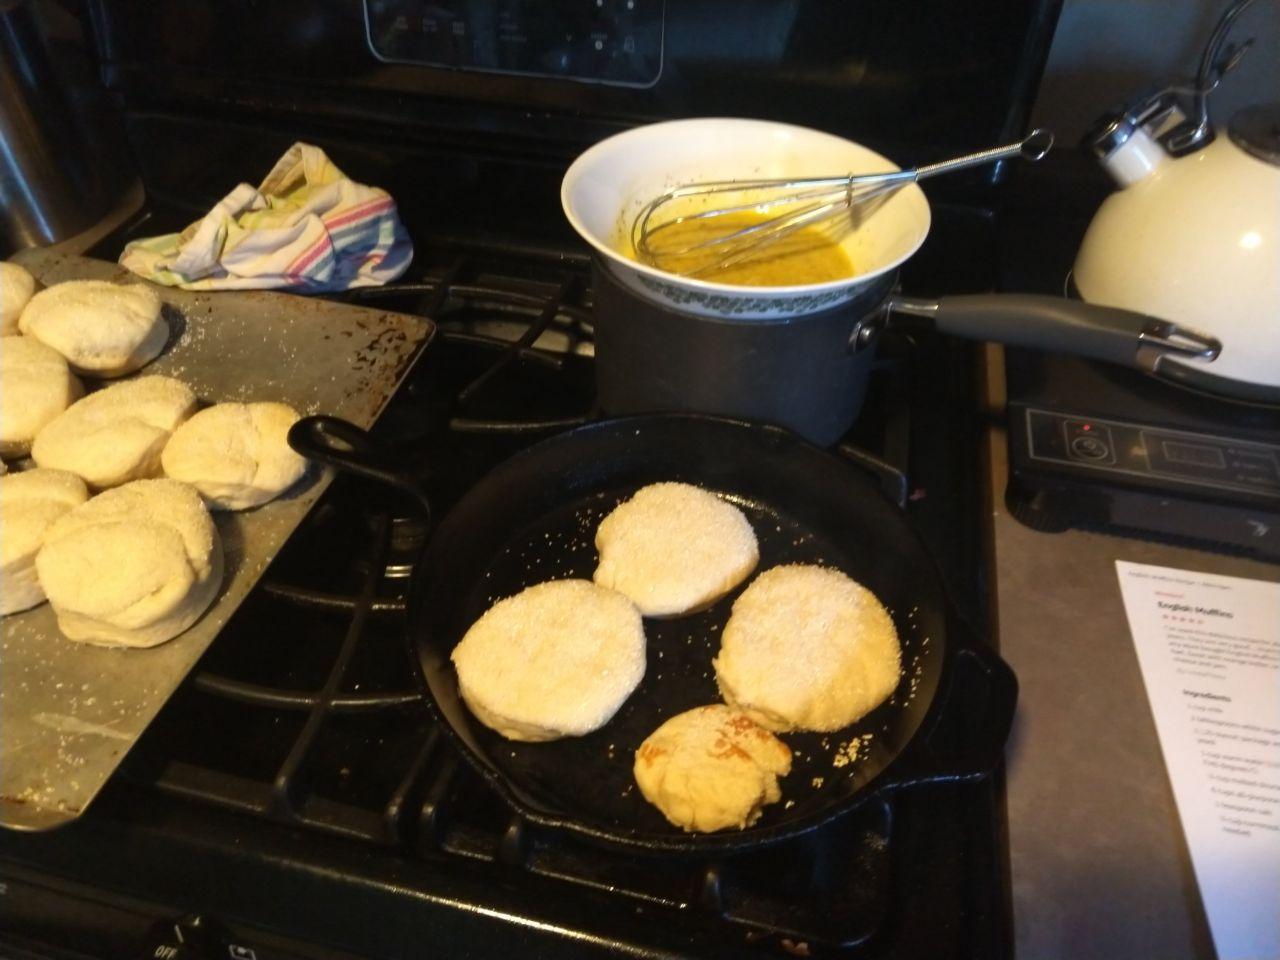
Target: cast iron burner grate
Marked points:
320	722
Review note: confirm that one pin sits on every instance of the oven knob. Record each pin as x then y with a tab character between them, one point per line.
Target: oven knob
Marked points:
175	951
191	938
1090	448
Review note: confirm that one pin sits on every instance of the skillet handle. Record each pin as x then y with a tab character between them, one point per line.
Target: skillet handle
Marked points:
893	482
348	449
1067	326
983	693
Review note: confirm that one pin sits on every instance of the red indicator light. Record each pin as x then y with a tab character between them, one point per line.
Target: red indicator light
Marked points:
1086	427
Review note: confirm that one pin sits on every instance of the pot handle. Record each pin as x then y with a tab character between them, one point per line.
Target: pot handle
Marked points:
348	449
974	720
1067	326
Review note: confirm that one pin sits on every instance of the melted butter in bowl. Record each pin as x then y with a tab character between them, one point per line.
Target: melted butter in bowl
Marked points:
806	256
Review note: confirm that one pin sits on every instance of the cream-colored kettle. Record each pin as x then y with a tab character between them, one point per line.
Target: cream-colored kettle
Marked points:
1192	235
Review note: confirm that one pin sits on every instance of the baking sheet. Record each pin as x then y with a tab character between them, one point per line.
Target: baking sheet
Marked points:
69	712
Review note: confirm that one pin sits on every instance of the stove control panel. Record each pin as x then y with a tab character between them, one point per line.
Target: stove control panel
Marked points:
598	41
1153	455
199	938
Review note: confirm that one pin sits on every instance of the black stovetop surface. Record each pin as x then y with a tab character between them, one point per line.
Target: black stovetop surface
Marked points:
296	791
1075	385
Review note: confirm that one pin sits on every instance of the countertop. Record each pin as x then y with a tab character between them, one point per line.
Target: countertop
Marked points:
1099	864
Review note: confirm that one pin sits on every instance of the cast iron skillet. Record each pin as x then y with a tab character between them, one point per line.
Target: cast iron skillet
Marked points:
533	518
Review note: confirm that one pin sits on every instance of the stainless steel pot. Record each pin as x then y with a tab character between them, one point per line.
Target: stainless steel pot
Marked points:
63	160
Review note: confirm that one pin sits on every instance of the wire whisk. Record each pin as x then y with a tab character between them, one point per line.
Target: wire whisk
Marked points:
835	205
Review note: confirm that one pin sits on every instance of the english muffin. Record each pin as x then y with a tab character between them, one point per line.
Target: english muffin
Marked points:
807	648
236	454
103	329
711	768
134	566
116	435
16	288
35	386
555	660
29	504
674	549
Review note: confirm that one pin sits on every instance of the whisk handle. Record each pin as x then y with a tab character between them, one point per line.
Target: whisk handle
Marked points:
1034	147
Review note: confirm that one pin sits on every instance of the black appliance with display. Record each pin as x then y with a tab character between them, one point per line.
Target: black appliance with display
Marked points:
1092	446
295	798
1111	449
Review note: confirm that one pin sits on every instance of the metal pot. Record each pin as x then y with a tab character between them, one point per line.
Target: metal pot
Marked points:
796	355
64	163
650	358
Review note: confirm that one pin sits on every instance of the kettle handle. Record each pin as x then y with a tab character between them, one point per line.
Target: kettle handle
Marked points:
1219	59
1176	117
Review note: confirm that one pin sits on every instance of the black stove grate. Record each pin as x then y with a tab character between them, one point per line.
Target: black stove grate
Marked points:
322	725
297	783
332	739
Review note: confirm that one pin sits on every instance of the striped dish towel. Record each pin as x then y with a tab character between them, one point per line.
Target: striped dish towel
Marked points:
307	228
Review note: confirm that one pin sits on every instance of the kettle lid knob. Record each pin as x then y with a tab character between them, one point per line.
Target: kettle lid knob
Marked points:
1256	131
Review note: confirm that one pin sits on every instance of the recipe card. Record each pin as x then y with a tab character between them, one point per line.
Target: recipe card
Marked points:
1209	648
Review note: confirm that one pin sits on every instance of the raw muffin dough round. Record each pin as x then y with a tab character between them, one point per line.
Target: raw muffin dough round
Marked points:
16	288
35	386
103	329
29	503
674	548
807	648
711	768
134	566
117	434
236	454
555	660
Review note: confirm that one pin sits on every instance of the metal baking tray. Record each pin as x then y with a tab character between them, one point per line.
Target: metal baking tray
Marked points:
69	712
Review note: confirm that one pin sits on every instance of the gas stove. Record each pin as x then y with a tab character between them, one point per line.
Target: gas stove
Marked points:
296	799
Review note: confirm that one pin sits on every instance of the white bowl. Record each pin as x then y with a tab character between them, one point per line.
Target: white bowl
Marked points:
606	187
